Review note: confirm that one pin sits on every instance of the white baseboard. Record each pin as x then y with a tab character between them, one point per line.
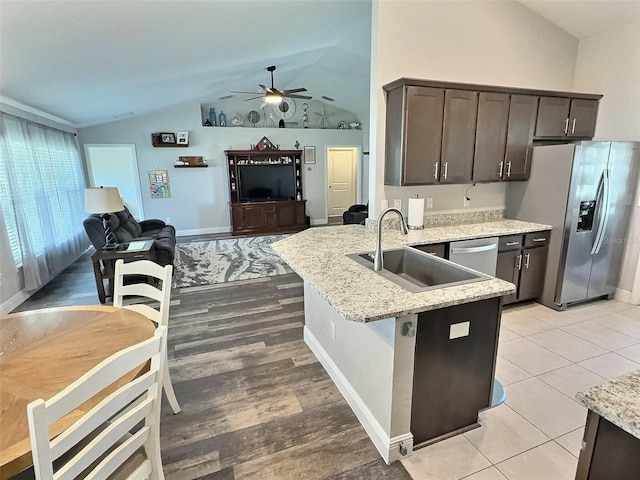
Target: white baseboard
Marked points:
13	302
319	221
624	296
389	448
203	231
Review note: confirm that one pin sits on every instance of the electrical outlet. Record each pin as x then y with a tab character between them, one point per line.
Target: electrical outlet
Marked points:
384	204
467	203
168	222
397	203
429	202
332	330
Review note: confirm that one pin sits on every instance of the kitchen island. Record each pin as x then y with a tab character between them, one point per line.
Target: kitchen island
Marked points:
611	441
362	327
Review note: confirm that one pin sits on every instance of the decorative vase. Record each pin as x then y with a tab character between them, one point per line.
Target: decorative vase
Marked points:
212	117
222	119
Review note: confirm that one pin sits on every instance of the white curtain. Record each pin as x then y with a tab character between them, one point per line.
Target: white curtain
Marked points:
42	194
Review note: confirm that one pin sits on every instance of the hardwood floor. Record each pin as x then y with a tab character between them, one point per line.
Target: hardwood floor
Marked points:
256	404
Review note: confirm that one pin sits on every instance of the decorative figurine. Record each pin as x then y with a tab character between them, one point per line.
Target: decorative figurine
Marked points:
297	145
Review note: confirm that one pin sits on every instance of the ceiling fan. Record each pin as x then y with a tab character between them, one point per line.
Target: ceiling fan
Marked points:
274	96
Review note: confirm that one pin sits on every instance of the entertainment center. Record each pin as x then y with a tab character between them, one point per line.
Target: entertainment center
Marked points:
265	190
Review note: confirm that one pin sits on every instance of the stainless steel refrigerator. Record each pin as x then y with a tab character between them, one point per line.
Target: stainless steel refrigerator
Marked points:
585	191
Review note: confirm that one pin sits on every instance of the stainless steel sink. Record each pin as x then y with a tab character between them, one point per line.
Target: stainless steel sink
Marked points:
418	271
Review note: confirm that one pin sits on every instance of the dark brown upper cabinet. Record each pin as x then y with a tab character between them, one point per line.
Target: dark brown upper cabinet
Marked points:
458	137
413	135
522	123
566	117
444	132
491	137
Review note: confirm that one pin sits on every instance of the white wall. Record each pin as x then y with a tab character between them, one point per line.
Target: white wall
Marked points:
610	64
488	42
199	197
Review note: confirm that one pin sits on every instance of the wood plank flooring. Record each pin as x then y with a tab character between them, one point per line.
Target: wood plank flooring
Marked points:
256	404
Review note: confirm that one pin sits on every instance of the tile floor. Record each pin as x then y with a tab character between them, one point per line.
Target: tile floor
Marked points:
544	358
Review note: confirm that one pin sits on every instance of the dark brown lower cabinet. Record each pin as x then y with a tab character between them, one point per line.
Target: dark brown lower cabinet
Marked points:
437	249
268	217
454	368
522	260
608	452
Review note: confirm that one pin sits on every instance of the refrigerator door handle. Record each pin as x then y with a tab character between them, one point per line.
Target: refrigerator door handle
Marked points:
604	182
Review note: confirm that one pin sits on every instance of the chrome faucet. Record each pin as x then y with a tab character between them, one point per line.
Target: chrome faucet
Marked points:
377	256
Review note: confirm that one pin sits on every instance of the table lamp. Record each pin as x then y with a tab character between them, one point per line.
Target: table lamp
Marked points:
104	201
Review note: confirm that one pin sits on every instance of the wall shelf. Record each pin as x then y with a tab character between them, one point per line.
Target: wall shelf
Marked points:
155	142
190	166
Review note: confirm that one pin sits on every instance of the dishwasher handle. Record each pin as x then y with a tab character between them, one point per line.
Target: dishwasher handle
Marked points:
482	248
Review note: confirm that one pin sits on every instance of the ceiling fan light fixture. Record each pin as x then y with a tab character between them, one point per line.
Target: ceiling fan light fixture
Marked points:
273	98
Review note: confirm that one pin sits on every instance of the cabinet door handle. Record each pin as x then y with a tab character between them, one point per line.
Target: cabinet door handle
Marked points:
500	169
526	260
435	175
520	262
446	169
542	239
566	126
508	169
573	126
512	244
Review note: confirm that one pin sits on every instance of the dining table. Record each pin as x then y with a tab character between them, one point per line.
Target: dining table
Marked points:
42	352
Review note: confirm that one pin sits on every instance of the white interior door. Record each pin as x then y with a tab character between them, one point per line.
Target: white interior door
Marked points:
116	166
342	179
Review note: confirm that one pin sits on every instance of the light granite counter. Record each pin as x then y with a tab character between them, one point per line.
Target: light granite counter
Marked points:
617	401
318	255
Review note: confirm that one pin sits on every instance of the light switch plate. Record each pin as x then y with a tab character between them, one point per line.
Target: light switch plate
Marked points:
429	202
458	330
397	203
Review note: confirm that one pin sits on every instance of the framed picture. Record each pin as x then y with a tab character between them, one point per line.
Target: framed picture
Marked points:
309	154
167	137
183	138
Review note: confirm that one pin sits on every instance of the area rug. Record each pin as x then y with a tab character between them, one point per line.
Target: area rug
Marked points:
227	260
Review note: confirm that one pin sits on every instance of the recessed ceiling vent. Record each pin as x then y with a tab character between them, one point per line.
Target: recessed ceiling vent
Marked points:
122	115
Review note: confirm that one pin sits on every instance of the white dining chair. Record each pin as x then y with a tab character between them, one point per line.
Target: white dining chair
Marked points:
161	295
117	438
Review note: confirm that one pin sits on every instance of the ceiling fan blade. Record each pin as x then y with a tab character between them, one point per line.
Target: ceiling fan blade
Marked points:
252	93
294	90
304	97
266	89
253	98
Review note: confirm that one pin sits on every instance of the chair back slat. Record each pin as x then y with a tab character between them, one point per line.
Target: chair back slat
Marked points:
98	378
111	436
107	427
101	413
116	458
149	312
145	290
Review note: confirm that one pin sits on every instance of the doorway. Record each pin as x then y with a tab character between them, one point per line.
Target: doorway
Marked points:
116	166
342	181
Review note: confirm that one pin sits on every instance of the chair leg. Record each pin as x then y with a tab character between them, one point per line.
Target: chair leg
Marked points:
168	390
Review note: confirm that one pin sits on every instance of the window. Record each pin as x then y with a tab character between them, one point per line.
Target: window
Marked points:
42	196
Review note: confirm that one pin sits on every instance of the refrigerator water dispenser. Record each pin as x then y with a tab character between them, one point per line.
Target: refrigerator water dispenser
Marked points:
585	216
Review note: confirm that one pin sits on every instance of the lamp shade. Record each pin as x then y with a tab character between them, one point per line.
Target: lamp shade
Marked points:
102	200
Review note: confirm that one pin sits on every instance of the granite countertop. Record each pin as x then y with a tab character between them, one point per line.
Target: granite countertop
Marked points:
318	255
618	401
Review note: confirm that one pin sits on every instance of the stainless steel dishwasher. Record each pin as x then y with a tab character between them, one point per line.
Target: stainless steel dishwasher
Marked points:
481	254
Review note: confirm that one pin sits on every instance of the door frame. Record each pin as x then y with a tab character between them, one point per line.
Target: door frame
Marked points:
134	156
358	150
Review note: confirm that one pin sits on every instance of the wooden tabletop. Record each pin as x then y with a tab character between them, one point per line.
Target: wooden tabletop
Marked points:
42	352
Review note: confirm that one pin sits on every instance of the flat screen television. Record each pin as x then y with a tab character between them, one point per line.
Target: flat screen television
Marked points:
266	183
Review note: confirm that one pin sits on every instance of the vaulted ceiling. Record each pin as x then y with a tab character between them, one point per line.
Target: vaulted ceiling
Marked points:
90	62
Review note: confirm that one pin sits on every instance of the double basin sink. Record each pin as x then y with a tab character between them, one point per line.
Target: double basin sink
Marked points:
417	271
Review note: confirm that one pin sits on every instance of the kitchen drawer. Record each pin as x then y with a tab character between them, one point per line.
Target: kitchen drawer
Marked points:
537	239
437	249
509	242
